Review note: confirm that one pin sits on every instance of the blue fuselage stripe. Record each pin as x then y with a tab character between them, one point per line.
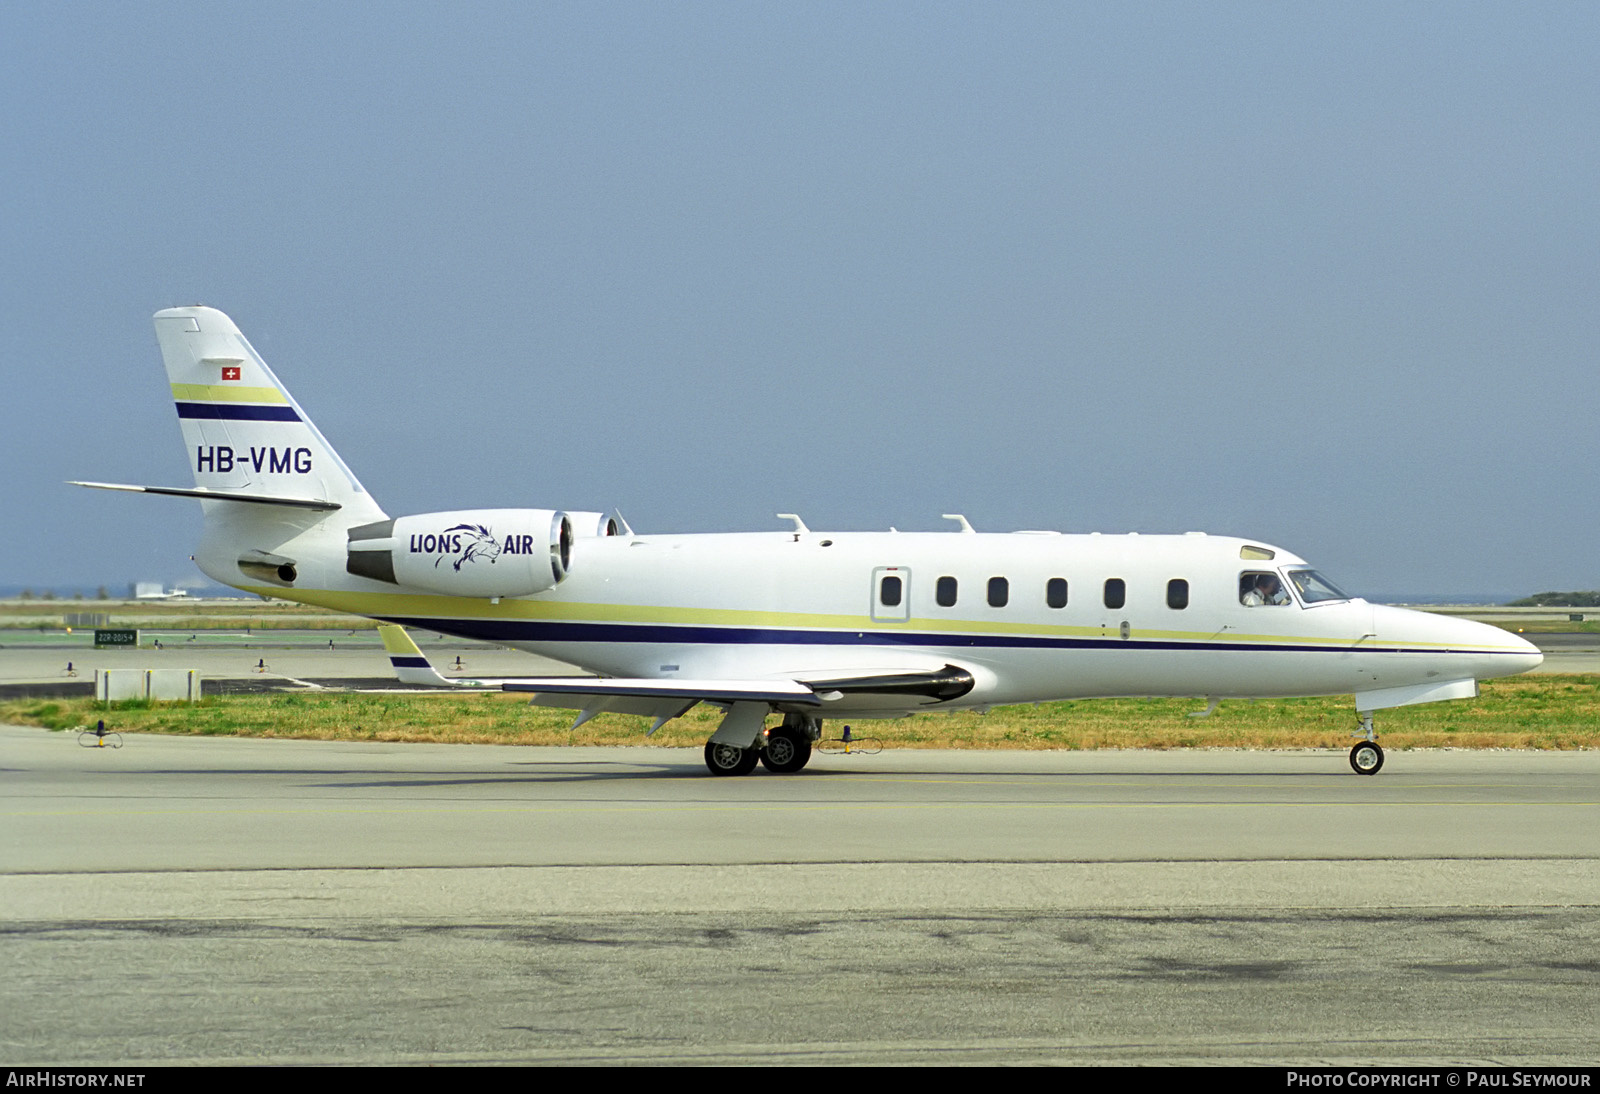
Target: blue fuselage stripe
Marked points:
509	632
238	412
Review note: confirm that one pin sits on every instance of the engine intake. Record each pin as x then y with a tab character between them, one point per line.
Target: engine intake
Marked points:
586	525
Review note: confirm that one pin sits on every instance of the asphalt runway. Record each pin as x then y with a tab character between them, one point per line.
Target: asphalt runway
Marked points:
251	901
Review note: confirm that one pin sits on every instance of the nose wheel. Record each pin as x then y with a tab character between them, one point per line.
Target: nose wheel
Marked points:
1366	758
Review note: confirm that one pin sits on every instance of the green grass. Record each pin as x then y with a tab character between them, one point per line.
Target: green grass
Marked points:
1590	625
1533	712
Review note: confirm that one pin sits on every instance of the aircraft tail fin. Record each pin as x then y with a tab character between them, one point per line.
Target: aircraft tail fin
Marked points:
246	437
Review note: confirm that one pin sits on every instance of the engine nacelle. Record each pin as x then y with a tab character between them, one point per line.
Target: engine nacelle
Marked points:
587	525
468	552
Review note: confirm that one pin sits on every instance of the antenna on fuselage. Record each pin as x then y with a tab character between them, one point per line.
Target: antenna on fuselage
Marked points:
966	527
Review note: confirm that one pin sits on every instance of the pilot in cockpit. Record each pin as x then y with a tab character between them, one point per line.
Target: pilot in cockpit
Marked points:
1258	588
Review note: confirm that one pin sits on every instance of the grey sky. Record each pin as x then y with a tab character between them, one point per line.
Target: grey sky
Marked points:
1319	274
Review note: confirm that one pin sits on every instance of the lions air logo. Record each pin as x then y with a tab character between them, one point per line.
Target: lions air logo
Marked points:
468	542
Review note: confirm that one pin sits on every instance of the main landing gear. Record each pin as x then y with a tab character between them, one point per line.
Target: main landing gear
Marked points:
788	749
1366	758
782	751
730	759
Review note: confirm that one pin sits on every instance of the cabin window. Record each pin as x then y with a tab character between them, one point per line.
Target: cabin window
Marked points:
1055	592
1261	587
944	592
890	591
1116	592
999	592
1177	594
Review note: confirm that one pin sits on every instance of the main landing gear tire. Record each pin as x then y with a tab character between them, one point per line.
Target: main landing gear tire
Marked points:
730	759
787	751
1366	758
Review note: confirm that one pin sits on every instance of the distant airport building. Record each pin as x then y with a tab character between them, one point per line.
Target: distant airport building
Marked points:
154	590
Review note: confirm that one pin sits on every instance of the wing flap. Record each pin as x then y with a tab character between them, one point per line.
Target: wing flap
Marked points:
577	692
659	700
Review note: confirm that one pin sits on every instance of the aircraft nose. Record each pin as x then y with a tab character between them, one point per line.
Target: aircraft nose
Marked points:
1526	656
1470	648
1506	654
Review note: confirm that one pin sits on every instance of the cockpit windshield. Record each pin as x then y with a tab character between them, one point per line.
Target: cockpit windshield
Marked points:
1313	587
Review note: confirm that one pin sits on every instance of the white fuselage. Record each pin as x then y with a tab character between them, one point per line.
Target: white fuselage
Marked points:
785	605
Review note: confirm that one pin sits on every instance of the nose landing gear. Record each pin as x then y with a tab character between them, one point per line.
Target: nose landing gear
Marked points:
1366	758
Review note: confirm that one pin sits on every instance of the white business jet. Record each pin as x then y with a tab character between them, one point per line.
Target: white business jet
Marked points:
798	624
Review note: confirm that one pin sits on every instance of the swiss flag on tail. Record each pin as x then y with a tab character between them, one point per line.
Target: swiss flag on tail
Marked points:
230	372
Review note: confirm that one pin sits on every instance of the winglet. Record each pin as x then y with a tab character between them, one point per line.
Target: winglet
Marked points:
410	666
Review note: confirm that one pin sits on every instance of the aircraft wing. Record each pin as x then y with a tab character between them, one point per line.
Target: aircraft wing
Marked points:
660	700
665	699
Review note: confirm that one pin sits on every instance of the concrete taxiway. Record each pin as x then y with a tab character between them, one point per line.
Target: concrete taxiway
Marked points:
53	663
219	900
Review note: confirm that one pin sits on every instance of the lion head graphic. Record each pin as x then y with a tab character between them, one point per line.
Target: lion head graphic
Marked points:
480	543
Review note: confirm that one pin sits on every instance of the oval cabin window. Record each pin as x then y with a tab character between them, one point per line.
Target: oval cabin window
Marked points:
1116	592
1055	592
889	592
999	592
1177	594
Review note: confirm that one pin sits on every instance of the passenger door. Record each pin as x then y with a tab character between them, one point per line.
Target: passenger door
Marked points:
891	594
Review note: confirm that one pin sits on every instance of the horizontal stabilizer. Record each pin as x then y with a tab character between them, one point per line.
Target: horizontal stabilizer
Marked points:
216	495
